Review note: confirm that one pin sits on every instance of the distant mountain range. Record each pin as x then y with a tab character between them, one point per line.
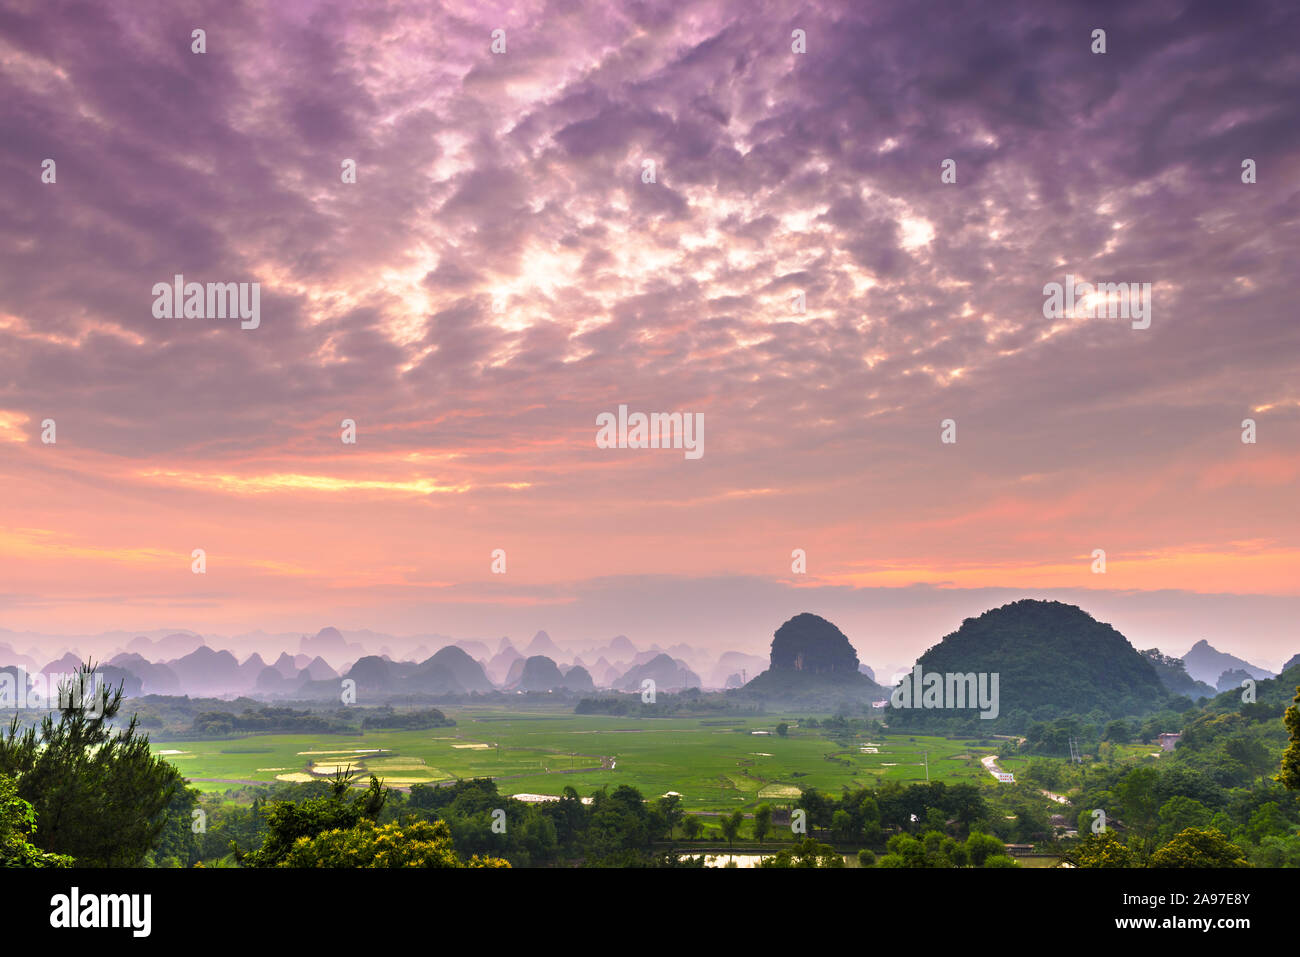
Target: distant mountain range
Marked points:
1173	675
1206	663
198	670
811	663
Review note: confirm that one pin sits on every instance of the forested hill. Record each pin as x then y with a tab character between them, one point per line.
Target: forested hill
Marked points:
1052	659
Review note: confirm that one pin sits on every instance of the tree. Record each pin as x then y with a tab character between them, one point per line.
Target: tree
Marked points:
731	825
1289	776
1139	801
367	844
842	825
1267	821
1277	852
1044	773
539	836
100	794
980	847
691	827
1101	850
670	806
1032	823
819	807
905	851
289	822
1250	753
177	844
17	824
762	822
1118	732
955	852
783	729
617	828
965	802
656	823
1196	847
1180	813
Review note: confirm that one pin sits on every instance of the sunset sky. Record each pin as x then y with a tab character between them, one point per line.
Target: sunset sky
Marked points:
517	177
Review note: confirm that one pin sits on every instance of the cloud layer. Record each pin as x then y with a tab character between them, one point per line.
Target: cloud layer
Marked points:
499	274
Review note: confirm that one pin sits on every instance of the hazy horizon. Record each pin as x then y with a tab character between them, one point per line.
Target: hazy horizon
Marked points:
1168	622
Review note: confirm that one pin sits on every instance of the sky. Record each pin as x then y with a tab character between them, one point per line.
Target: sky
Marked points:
501	273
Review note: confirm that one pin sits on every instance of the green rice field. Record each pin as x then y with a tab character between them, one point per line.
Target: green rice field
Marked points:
714	763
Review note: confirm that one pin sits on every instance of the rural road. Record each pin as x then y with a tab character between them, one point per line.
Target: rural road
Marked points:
990	763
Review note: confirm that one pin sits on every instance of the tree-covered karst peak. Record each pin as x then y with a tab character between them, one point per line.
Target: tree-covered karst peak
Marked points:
1052	659
811	644
540	674
812	666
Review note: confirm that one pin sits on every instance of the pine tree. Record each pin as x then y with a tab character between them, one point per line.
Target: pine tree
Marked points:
1290	773
99	793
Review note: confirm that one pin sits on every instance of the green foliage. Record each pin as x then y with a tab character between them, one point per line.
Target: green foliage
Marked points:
692	826
1179	813
99	793
367	844
1277	852
17	825
895	805
669	808
616	832
386	719
1289	775
1197	847
1139	799
980	847
223	724
178	845
289	821
936	849
806	853
1118	732
1046	774
731	824
1101	850
1268	820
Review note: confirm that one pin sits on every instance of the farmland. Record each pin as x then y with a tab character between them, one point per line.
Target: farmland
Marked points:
714	763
